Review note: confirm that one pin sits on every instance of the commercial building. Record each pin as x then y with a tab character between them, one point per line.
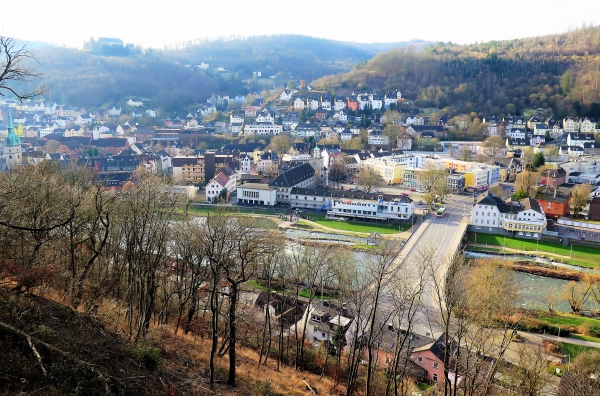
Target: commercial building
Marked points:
256	194
522	219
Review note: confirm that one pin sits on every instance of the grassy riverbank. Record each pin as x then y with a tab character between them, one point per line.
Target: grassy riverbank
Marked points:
582	256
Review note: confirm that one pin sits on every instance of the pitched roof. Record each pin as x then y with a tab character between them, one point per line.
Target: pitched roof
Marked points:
294	176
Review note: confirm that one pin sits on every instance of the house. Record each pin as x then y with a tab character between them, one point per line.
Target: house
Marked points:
570	125
339	104
553	177
523	219
135	102
375	101
352	103
580	139
540	130
516	144
299	104
225	179
151	113
378	139
266	161
555	201
509	167
391	99
324	321
111	145
300	176
306	130
431	358
265	117
587	125
114	112
264	128
286	95
250	111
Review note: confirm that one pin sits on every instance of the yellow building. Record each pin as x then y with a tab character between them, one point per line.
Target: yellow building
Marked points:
391	172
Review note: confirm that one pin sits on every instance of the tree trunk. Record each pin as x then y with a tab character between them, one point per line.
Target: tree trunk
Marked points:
233	297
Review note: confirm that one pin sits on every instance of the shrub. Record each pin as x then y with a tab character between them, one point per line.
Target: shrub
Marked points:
590	329
147	354
264	388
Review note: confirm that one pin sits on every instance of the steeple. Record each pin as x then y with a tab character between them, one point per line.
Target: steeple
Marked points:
12	139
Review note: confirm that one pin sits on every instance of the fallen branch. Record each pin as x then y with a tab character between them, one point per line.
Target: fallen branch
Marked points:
310	388
37	355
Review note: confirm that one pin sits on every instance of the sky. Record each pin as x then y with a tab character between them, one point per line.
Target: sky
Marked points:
158	23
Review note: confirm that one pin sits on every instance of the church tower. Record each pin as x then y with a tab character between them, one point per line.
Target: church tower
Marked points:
12	145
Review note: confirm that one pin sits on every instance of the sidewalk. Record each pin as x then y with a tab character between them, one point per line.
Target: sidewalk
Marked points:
510	250
569	340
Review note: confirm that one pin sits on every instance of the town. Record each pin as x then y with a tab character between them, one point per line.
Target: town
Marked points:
361	160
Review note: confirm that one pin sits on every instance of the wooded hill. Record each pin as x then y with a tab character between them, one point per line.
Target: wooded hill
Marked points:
80	78
560	72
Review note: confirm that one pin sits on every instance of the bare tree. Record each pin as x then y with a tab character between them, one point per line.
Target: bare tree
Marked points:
15	72
580	197
367	180
493	146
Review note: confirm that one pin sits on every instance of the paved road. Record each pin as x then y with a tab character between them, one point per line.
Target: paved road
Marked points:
569	340
578	233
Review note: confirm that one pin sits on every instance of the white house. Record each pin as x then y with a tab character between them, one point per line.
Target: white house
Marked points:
224	180
135	102
246	165
256	194
339	104
262	129
286	95
265	117
299	104
114	112
151	113
522	219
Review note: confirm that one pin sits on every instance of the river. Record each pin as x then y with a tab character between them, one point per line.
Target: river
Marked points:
536	290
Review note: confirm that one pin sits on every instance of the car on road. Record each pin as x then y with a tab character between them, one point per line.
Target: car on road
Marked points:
412	189
571	230
405	194
378	191
582	238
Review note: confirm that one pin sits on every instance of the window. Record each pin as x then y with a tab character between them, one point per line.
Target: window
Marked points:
435	377
419	359
435	365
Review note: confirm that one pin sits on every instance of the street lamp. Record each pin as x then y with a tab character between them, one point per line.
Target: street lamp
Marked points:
571	254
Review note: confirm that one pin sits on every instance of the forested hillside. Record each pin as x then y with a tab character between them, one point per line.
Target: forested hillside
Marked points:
560	72
170	79
79	78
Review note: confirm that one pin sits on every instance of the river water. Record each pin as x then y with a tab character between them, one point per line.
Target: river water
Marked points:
536	290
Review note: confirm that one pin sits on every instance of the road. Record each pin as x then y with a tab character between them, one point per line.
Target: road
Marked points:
438	238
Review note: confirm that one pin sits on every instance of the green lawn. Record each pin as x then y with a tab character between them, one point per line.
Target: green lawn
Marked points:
582	255
574	350
358	226
565	319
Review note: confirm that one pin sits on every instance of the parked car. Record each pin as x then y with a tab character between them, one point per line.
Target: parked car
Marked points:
571	230
412	189
405	194
378	191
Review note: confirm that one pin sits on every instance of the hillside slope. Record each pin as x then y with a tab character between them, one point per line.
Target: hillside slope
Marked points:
560	72
169	80
48	347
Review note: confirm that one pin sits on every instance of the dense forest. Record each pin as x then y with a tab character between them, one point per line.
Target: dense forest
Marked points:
168	78
558	72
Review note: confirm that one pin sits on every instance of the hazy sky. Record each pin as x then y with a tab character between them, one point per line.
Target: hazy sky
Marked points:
156	23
